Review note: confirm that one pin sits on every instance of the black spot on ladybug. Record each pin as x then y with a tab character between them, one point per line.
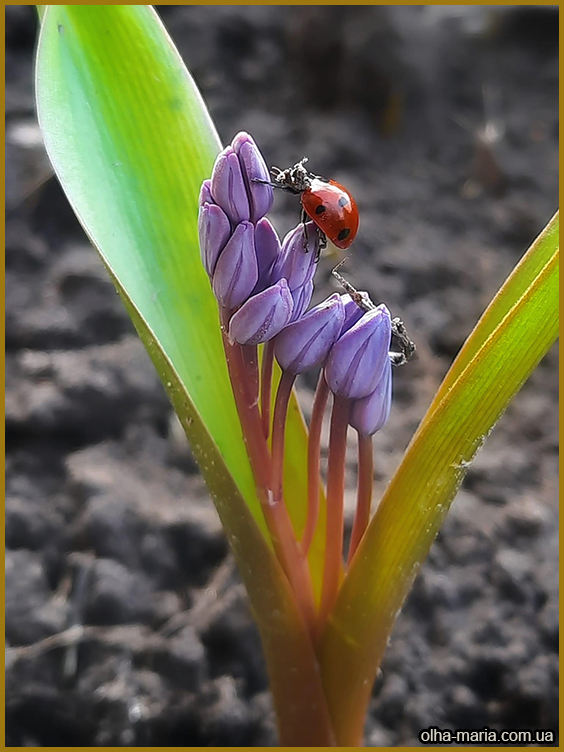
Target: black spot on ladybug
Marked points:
343	201
344	234
320	209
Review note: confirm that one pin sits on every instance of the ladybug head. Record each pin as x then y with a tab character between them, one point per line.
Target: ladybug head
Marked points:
294	179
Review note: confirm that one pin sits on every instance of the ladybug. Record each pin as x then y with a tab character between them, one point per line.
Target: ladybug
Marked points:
326	202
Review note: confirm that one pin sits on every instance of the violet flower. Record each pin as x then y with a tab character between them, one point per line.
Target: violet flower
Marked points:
262	316
236	271
238	245
297	263
205	194
228	187
370	413
305	343
214	231
267	245
358	358
241	251
302	298
253	168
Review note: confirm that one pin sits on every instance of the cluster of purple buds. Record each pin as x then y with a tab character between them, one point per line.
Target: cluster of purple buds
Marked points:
261	283
265	287
354	347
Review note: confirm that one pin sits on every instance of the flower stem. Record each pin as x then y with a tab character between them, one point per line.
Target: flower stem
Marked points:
313	457
257	448
298	569
278	433
274	510
266	385
335	506
250	357
364	492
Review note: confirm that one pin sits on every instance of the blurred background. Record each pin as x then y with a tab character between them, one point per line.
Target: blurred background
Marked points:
126	623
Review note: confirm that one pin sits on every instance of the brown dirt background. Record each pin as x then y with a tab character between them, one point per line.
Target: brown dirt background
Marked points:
109	529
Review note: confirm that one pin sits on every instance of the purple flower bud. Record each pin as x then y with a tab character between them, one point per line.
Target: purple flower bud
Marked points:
302	298
267	246
353	312
357	360
214	231
254	168
369	414
205	194
236	271
305	343
228	187
262	316
295	263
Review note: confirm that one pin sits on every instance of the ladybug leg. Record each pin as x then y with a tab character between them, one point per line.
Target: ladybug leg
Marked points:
303	220
320	237
321	242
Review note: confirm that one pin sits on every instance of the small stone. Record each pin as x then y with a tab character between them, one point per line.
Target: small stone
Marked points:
32	612
526	517
116	595
184	660
512	572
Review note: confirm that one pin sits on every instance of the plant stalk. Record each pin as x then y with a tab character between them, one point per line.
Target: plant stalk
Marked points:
335	506
276	515
250	357
364	492
299	565
266	385
278	433
313	458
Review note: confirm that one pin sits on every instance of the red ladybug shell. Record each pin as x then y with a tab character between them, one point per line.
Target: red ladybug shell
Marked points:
333	210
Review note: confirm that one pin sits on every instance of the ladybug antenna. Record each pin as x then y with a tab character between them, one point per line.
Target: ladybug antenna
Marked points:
362	299
265	182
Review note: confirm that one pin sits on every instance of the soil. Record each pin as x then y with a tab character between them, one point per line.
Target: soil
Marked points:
126	623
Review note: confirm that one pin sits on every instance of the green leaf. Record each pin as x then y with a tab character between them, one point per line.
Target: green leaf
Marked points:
131	141
523	324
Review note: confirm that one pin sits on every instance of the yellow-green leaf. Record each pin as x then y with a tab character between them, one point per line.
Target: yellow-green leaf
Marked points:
418	497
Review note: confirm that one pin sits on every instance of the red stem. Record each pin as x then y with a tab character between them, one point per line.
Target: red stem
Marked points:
257	448
266	385
313	458
364	492
278	433
335	506
274	510
250	356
